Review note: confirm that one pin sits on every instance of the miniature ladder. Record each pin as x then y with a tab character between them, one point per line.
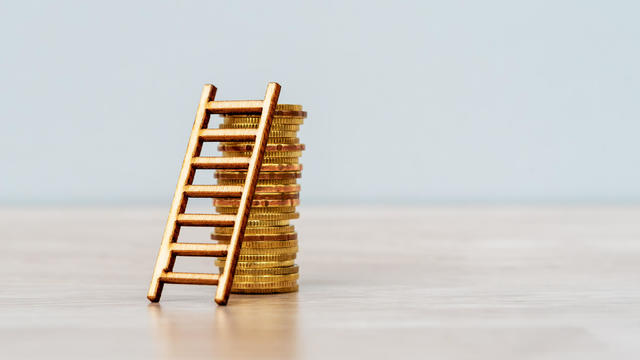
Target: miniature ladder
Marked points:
170	248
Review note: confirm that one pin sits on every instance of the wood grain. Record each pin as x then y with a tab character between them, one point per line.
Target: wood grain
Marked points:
235	106
228	134
219	162
189	278
219	191
197	249
206	220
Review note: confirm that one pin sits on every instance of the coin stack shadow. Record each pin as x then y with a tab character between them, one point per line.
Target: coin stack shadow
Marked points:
267	258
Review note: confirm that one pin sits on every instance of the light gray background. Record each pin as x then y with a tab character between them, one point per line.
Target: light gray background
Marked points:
450	101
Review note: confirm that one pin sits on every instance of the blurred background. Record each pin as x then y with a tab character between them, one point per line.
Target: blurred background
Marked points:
409	102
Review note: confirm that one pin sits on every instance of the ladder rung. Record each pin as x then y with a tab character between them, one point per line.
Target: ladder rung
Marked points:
218	162
206	220
189	278
213	191
236	106
280	167
191	249
228	134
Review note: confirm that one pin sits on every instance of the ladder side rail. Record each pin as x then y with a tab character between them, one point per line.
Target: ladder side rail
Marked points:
225	280
165	259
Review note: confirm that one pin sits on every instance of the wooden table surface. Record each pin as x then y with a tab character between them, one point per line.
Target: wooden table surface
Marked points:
376	282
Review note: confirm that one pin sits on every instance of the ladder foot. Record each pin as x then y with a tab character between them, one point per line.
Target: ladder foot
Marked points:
221	301
155	290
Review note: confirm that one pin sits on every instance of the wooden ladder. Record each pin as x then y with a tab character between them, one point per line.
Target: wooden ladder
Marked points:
170	248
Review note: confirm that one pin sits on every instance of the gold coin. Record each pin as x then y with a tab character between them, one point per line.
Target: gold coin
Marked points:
241	279
280	160
272	140
257	238
267	154
277	192
290	113
257	230
269	194
258	210
267	257
258	264
234	174
276	189
288	107
277	195
282	119
279	116
273	216
230	124
269	271
257	203
263	285
281	107
270	147
257	223
280	167
283	115
283	134
260	182
269	252
264	199
277	134
263	258
274	127
285	120
265	244
266	291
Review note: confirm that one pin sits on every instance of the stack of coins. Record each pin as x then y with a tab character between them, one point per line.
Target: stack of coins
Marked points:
267	258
